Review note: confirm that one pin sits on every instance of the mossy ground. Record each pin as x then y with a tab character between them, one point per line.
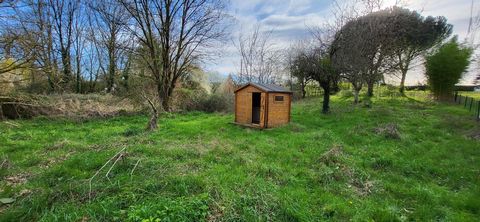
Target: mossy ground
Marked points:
394	160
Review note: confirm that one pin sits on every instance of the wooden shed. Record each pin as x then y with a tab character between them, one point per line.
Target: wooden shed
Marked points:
262	105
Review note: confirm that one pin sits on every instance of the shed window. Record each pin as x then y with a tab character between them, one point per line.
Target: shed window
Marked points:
278	98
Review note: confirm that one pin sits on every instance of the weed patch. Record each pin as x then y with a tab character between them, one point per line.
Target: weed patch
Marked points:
389	131
171	209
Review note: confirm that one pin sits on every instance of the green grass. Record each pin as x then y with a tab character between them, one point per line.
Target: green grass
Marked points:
399	160
475	95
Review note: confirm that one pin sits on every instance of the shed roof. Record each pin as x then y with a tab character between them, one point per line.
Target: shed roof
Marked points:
266	87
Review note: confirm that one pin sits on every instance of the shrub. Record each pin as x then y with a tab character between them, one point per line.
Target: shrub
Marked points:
199	100
216	103
390	91
445	67
346	93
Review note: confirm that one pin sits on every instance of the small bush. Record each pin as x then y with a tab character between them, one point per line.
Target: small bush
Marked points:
199	100
215	103
390	91
346	93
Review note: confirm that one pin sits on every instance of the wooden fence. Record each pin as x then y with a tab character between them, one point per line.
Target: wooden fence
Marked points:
469	103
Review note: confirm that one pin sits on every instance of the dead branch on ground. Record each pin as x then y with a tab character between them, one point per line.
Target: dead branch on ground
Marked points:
101	168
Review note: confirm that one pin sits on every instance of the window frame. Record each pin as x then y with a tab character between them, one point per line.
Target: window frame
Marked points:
278	101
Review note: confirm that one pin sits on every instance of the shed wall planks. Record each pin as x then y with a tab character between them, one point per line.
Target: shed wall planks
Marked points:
278	111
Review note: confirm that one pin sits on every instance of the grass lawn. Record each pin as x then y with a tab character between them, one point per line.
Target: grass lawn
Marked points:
399	160
475	95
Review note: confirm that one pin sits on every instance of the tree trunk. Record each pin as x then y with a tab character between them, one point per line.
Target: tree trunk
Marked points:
67	69
79	78
335	87
444	97
304	92
1	112
166	104
50	83
111	76
152	123
78	86
326	98
164	97
356	93
111	65
370	89
402	81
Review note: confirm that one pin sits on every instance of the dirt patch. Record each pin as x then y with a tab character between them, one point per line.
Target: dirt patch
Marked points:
475	135
16	180
55	160
215	212
363	188
389	130
24	192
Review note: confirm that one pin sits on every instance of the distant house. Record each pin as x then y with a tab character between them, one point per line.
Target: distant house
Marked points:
262	105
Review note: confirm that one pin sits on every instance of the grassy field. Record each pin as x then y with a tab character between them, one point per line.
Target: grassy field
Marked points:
398	160
475	95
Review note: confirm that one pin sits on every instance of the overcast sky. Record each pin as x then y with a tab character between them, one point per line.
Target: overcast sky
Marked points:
289	20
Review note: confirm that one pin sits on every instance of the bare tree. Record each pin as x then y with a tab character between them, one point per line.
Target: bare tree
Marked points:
30	27
79	44
176	34
259	60
63	13
108	21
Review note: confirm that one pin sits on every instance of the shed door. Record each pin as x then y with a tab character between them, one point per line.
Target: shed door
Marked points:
256	107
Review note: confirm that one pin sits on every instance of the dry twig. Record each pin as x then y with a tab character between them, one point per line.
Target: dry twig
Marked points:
135	167
99	170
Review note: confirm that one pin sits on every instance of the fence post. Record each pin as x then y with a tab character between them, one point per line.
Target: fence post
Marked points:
456	95
466	100
471	103
478	111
